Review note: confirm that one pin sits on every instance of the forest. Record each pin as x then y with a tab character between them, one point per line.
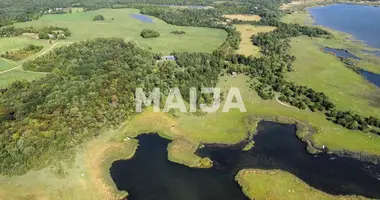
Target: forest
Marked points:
90	88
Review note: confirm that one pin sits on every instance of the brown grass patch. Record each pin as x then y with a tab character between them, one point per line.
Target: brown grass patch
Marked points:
246	47
244	17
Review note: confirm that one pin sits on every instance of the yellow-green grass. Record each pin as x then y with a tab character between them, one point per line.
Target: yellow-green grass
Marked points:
17	75
280	185
326	73
243	17
82	27
246	47
300	17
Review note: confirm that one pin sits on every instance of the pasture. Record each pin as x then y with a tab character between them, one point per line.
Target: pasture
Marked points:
326	73
246	47
119	23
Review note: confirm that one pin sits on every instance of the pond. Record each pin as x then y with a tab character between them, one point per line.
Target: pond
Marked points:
142	18
342	53
372	77
149	175
363	25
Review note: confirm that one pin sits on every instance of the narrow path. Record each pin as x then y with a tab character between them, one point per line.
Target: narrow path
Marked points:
3	72
280	102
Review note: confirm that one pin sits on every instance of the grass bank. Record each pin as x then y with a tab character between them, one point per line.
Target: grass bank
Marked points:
280	185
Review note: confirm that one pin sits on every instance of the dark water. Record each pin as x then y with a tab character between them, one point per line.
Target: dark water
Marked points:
148	175
340	53
142	18
372	77
363	22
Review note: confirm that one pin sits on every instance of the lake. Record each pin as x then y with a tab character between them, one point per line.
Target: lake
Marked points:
149	175
363	22
142	18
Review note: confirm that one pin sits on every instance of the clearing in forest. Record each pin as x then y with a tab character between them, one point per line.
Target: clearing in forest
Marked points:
246	47
244	17
119	23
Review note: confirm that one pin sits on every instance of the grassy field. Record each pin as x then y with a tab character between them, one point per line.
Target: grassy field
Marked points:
246	47
83	28
7	77
243	17
280	185
326	73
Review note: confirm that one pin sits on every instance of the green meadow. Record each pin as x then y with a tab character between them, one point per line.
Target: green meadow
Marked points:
280	185
326	73
119	23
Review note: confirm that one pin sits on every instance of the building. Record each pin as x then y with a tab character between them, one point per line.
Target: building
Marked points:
169	57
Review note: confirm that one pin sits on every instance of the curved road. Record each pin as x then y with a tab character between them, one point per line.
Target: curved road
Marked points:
8	70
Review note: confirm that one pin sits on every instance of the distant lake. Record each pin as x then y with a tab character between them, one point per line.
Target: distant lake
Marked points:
363	22
142	18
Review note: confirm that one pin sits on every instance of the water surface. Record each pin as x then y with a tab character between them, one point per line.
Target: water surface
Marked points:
361	21
142	18
372	77
340	53
149	175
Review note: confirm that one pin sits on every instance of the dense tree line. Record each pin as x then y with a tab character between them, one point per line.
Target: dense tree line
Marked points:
90	87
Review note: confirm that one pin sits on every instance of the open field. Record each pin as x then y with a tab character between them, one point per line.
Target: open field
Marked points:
11	71
16	75
326	73
280	185
243	17
83	28
246	47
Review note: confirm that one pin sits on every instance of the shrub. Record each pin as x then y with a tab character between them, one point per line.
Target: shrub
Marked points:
149	33
178	32
98	18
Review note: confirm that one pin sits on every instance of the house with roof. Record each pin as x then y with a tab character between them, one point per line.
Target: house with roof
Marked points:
169	57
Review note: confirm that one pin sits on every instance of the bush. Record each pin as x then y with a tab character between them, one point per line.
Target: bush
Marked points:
149	33
178	32
98	18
